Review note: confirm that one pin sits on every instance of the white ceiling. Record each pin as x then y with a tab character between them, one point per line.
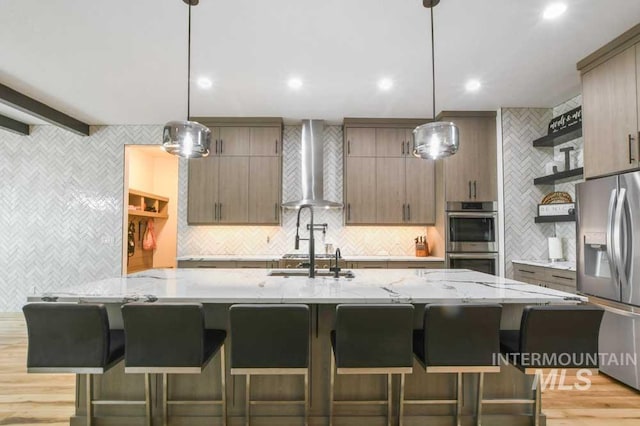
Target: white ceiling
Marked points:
124	62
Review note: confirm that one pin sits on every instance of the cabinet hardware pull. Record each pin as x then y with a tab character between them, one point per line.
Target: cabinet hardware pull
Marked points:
528	272
216	146
408	150
631	159
276	146
469	189
408	212
275	210
348	211
219	211
402	147
475	189
348	147
215	211
404	216
562	278
221	145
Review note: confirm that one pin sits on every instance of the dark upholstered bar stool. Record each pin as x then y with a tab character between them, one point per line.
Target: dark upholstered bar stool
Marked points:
73	338
372	339
550	337
270	340
459	339
166	338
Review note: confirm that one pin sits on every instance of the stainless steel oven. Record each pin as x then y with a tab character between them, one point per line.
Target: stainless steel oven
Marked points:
481	262
472	227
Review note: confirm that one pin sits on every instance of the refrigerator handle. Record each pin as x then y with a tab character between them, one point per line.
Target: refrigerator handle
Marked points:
610	233
619	245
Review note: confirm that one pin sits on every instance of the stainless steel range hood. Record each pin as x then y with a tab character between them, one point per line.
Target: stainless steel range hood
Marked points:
312	169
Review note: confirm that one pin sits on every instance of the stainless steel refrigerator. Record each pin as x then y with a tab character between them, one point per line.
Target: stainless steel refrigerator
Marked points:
608	254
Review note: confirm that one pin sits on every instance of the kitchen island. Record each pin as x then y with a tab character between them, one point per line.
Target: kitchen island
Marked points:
217	289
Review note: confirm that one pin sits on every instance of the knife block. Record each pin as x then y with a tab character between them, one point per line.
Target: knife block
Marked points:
422	249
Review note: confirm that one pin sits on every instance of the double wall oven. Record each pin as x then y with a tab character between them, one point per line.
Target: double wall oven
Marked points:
472	236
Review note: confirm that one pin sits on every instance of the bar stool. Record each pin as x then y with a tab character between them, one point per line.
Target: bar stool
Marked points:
270	340
459	339
73	338
372	339
548	337
167	338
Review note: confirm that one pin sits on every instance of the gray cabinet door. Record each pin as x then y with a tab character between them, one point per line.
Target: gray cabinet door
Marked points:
233	204
202	190
420	193
390	196
264	190
360	142
360	190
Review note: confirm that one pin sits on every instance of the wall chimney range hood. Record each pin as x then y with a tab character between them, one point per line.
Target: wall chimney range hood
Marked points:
312	180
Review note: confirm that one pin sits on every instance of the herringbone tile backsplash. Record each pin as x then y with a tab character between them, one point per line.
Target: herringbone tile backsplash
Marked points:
61	207
525	239
194	240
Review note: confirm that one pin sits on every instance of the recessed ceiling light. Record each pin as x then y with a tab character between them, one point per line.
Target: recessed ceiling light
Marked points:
295	83
473	85
204	83
385	84
554	10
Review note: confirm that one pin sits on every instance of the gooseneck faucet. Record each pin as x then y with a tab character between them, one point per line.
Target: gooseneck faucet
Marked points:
312	249
336	269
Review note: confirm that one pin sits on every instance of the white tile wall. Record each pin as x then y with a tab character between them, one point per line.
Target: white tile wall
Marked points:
61	207
522	163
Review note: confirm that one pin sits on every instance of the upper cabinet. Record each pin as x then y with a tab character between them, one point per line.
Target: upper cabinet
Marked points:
384	184
240	181
610	101
471	174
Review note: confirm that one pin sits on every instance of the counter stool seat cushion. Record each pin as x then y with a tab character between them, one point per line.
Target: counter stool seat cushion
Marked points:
71	335
554	337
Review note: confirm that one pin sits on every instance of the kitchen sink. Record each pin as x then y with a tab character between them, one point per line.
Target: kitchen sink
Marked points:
305	272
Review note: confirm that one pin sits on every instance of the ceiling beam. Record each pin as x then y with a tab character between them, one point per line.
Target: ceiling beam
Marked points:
44	112
14	126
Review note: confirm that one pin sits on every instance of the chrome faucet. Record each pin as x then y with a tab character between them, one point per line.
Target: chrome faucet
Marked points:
312	248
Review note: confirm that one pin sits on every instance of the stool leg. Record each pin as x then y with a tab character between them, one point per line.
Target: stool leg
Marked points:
147	398
247	403
537	402
165	398
389	399
89	397
331	384
223	384
458	399
480	393
401	406
306	398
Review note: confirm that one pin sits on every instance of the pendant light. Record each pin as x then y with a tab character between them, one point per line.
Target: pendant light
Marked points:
188	139
438	139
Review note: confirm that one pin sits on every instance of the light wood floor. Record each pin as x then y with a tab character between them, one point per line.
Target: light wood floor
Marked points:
48	399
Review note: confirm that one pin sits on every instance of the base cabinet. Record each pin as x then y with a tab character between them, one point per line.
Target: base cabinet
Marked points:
556	279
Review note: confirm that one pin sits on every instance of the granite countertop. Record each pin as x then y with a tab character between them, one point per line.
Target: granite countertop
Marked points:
255	286
565	266
273	257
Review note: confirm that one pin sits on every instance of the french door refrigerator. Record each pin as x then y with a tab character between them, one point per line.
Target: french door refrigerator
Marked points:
608	254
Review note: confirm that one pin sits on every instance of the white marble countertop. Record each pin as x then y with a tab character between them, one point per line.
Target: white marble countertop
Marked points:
230	257
273	257
255	286
565	266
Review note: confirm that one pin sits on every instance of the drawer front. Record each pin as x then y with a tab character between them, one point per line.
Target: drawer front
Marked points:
566	278
415	265
252	264
530	274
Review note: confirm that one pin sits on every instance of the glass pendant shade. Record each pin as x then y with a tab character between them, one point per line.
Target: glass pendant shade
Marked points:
187	139
435	140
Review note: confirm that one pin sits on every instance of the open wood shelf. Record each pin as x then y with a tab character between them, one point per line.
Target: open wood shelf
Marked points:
147	214
558	138
551	219
561	177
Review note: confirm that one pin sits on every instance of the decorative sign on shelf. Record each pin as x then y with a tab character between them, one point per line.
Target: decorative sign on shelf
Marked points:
565	120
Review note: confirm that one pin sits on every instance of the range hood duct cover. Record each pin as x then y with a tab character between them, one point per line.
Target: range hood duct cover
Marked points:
312	179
